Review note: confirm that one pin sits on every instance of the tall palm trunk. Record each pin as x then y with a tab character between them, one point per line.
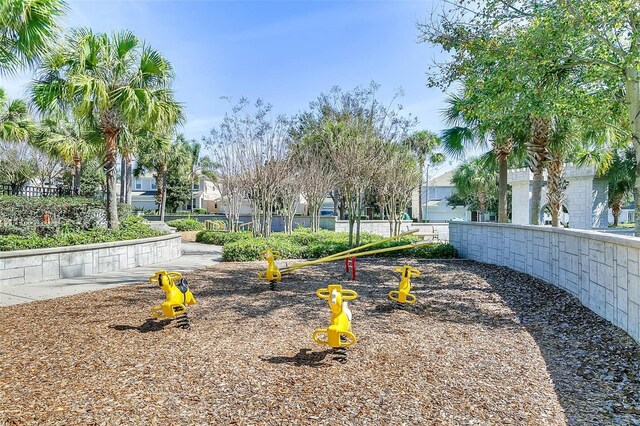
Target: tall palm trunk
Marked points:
110	164
161	186
77	169
502	151
538	156
123	178
632	94
616	209
555	187
129	176
422	162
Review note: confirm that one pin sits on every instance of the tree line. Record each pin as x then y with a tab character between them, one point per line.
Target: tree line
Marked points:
348	145
542	83
101	99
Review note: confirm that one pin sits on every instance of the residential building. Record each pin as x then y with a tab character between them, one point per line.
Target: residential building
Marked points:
437	209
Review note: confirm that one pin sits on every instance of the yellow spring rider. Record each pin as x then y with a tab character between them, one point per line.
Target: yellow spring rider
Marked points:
402	294
339	332
272	273
178	297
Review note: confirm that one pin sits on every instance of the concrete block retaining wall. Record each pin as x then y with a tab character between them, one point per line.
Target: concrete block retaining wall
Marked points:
381	227
32	266
378	227
601	270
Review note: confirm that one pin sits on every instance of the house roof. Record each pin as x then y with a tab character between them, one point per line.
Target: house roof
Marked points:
442	180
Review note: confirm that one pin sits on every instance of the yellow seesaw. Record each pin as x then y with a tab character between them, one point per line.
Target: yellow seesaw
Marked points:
273	274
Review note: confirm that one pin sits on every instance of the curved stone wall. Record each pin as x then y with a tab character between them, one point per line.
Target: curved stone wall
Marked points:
33	266
602	270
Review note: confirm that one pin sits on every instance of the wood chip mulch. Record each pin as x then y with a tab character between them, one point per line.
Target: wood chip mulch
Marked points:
483	345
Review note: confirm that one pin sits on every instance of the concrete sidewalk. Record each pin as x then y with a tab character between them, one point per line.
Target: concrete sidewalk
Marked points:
194	256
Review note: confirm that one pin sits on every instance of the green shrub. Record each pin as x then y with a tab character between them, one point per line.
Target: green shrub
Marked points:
221	238
250	248
242	247
130	228
186	225
434	251
200	211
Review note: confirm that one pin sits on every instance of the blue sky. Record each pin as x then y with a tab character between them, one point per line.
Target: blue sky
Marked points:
285	52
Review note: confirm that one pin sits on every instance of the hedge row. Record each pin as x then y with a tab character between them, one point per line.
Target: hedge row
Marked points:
302	244
130	228
46	216
188	224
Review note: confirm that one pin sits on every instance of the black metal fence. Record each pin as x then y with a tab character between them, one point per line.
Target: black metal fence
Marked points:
34	191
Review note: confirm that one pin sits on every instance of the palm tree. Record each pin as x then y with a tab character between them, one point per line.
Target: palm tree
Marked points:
476	184
69	141
110	82
503	134
160	153
15	123
423	144
621	179
26	29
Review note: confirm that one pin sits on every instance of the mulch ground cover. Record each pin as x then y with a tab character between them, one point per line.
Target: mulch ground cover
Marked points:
483	345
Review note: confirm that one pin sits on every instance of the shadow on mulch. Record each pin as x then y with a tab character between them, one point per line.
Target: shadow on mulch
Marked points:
148	326
306	358
594	366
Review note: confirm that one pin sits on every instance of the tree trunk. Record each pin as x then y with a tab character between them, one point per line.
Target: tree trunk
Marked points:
555	188
77	169
633	106
110	164
128	188
502	151
426	198
615	210
161	189
538	155
123	179
502	190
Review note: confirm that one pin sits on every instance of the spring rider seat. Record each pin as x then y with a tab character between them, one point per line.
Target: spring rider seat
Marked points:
272	273
178	297
339	333
402	294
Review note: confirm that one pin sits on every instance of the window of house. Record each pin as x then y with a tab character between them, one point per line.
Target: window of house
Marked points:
138	184
153	185
631	217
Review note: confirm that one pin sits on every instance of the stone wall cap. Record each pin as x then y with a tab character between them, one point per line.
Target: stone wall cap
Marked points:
584	233
84	247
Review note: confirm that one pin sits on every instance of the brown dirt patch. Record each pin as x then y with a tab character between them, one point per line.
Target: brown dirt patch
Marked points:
483	345
189	236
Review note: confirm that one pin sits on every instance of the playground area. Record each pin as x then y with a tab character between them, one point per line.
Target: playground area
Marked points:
482	345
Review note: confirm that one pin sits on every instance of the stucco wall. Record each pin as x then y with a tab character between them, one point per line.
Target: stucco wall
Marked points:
33	266
601	270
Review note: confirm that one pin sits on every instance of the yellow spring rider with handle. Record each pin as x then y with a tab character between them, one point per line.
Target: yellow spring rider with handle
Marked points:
339	332
272	273
178	296
402	294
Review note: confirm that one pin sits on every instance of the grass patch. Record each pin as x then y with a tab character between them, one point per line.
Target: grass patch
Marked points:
189	224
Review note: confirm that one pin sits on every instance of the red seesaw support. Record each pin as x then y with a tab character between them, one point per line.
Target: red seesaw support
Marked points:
351	260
